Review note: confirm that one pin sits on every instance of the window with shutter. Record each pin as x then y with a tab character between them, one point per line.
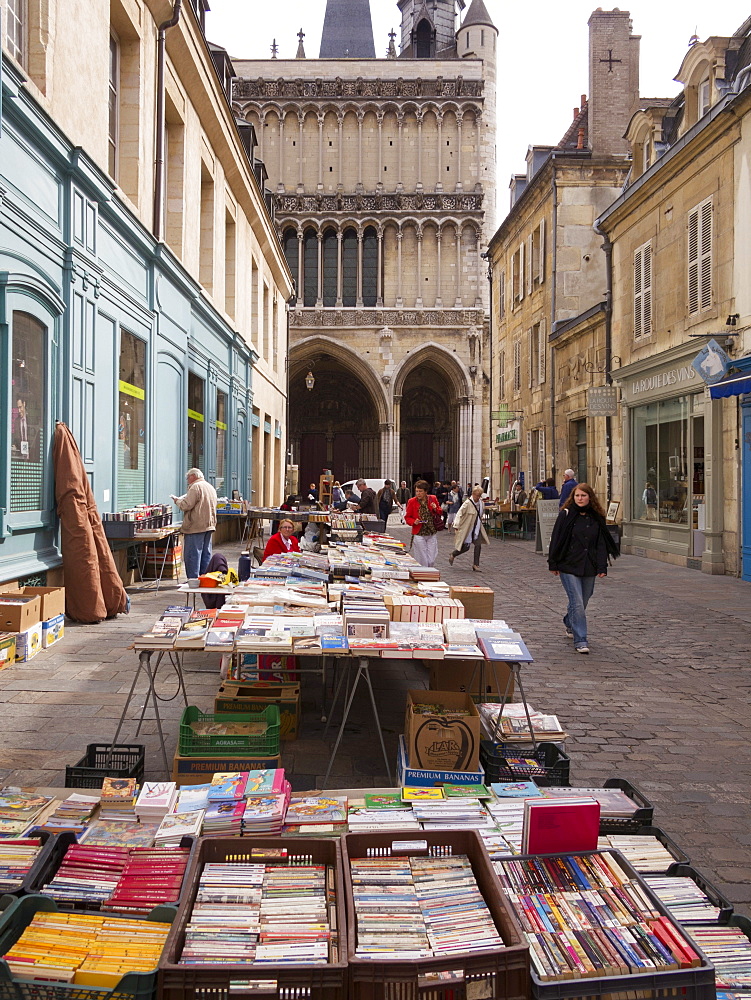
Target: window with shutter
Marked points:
517	365
643	291
502	295
502	375
531	358
530	478
530	264
541	458
700	257
541	259
521	272
542	353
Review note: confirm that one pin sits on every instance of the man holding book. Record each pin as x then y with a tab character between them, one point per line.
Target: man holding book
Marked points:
199	522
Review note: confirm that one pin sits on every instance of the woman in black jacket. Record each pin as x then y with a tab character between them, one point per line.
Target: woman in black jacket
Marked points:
580	547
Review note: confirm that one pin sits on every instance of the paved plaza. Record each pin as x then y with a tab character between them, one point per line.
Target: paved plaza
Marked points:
662	699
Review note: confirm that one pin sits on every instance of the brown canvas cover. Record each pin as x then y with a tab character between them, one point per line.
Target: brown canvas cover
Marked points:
93	589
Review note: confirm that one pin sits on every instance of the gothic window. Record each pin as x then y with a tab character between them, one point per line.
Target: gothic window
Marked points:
370	267
310	267
349	268
424	40
330	252
290	252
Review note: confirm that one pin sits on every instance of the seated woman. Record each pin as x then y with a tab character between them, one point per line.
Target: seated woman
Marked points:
282	541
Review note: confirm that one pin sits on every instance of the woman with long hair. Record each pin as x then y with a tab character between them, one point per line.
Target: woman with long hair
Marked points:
422	510
580	549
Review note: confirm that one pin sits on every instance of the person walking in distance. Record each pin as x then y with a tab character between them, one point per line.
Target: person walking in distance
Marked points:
385	500
569	483
421	513
469	528
199	522
580	549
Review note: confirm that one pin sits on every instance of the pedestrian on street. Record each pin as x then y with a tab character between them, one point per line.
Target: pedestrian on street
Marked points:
580	550
469	528
199	522
422	510
547	490
454	504
403	494
385	498
368	503
569	483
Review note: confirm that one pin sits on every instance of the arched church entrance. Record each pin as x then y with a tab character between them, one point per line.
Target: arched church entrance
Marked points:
334	425
429	426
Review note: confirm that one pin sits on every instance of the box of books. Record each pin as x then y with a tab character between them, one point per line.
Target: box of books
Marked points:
197	770
425	777
292	889
234	697
427	918
7	649
455	675
28	643
52	598
53	630
478	601
442	730
19	611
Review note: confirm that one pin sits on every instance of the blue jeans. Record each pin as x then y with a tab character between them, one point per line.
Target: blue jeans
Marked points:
196	552
579	589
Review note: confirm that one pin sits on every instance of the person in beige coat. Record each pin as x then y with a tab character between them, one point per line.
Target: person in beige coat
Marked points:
469	529
199	522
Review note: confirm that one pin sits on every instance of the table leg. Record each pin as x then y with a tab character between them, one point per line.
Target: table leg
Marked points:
365	668
344	673
142	656
345	716
510	677
518	675
146	699
155	702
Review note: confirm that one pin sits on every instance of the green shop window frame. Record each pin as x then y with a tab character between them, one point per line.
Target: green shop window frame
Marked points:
30	318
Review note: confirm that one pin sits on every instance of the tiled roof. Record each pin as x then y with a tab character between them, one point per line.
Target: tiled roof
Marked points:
347	30
477	14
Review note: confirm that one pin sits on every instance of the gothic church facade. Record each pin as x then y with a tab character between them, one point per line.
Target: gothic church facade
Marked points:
384	177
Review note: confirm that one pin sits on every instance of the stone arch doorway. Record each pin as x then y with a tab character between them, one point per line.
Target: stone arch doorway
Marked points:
429	439
336	424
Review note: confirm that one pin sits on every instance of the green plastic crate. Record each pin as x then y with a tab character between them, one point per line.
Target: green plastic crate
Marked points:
16	917
193	745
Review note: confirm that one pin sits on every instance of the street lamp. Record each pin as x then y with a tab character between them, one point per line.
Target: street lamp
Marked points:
310	381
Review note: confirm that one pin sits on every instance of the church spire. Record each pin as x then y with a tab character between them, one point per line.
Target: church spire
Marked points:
347	30
300	46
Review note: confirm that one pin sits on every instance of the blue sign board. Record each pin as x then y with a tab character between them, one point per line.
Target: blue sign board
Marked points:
711	363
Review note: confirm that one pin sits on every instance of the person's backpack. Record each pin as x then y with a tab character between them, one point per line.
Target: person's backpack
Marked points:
651	495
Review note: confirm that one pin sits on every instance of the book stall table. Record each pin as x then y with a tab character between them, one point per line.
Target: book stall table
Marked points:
171	536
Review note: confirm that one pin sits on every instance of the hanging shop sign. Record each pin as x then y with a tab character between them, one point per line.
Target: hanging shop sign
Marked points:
510	435
711	363
602	401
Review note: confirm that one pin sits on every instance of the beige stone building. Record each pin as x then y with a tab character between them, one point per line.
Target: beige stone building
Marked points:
550	282
383	173
162	330
679	245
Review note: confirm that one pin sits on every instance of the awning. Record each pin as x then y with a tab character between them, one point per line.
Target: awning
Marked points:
736	385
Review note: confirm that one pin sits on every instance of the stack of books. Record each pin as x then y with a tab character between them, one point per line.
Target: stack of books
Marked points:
193	632
644	852
294	926
103	833
683	899
174	827
156	800
19	811
87	874
117	802
16	859
381	812
151	877
192	797
72	814
729	951
224	819
224	922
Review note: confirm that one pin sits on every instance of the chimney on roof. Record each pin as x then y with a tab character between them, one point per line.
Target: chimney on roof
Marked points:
613	80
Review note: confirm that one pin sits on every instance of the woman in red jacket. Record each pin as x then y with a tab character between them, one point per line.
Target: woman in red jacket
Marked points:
421	509
282	541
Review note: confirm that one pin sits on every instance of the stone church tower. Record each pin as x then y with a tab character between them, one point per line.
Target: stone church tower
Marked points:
384	178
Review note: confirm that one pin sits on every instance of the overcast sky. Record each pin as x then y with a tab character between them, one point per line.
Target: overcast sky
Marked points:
542	53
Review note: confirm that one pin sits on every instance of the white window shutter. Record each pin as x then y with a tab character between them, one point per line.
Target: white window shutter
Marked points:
638	330
531	359
542	353
528	486
502	375
646	289
693	262
517	365
521	271
542	250
530	264
541	458
705	250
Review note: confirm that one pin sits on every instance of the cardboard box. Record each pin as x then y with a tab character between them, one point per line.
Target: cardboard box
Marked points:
198	770
53	630
446	742
455	675
19	617
407	775
478	601
7	650
235	697
53	600
28	643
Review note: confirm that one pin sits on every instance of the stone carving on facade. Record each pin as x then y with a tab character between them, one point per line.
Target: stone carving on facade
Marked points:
330	204
389	318
262	88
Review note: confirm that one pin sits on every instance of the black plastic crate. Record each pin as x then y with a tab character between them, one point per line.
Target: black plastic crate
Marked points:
643	814
104	760
16	917
712	893
550	756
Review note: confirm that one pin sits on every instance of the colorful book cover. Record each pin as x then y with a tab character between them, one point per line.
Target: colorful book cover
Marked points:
311	809
156	795
227	812
193	797
108	834
466	791
410	793
265	781
181	824
515	789
560	827
118	790
383	801
228	785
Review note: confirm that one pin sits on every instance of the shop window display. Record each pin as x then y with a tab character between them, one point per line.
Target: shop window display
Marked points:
195	422
660	461
27	444
221	441
131	426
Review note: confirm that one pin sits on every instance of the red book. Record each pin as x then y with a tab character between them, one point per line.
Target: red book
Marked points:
554	827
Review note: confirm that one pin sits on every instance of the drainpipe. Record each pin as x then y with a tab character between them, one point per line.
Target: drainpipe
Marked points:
491	356
607	248
161	55
554	278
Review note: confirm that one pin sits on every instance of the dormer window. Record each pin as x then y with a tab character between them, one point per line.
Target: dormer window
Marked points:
703	96
646	153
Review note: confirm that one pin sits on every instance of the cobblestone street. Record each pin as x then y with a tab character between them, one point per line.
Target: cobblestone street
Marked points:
662	699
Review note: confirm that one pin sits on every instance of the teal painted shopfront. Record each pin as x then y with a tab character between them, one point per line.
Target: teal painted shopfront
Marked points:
101	327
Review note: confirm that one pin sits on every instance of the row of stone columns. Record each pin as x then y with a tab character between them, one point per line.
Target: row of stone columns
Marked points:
360	114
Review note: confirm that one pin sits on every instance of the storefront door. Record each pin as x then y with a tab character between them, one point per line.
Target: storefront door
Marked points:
746	489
